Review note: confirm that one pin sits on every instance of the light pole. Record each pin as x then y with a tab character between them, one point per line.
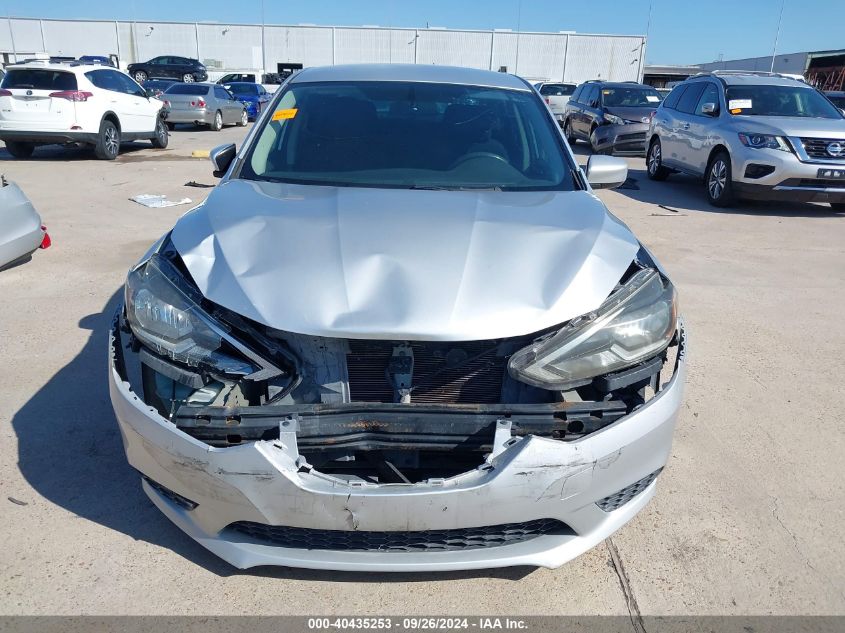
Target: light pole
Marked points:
777	35
263	53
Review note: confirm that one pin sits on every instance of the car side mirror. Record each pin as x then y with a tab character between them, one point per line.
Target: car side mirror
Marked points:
606	172
149	94
709	109
222	157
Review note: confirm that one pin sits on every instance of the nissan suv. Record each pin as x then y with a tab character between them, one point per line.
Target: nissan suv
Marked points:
751	135
613	117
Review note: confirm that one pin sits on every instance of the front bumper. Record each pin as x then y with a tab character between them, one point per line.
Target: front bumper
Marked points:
251	108
620	139
529	479
195	115
790	179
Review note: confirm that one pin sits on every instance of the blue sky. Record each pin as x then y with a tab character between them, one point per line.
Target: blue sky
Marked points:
681	32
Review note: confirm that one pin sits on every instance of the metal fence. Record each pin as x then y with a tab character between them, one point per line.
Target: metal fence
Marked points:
225	47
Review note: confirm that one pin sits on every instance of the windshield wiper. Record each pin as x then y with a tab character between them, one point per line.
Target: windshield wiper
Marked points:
463	188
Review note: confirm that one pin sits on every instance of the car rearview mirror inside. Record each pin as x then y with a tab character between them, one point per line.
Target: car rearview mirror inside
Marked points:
606	172
222	157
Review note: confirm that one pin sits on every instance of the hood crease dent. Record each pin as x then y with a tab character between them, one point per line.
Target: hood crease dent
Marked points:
403	264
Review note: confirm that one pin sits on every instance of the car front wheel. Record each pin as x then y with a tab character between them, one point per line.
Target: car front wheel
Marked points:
567	132
654	162
140	76
108	143
719	181
188	78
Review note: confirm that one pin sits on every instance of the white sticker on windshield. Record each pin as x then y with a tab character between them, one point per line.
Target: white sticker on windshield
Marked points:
739	104
652	98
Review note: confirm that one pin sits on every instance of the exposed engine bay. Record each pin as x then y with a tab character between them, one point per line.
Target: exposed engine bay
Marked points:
369	410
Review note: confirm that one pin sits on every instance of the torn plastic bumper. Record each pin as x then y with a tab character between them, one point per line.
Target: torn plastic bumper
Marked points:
212	493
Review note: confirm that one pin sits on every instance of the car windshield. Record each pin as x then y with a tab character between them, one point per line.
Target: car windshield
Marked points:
410	135
629	96
799	101
194	90
243	89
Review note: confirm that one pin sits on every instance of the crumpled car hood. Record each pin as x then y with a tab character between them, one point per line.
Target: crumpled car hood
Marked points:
403	264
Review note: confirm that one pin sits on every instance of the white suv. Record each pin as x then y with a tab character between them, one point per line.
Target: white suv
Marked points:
46	103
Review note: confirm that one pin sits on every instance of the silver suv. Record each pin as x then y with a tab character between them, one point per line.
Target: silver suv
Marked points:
751	135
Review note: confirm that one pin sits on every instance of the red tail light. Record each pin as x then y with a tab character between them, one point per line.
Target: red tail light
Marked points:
5	93
167	103
72	95
201	103
46	242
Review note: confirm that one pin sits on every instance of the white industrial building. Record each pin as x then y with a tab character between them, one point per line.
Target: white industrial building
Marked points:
221	47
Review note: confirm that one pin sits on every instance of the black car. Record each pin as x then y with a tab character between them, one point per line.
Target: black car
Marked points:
169	67
157	86
612	116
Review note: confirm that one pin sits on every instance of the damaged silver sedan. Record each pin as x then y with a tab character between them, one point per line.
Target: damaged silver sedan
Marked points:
401	335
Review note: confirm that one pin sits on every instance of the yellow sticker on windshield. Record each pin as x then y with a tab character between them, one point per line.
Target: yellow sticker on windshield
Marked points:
736	111
606	92
280	115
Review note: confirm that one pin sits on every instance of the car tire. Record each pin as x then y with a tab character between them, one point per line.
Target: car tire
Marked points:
244	119
719	182
140	76
161	137
108	141
218	121
567	132
19	149
188	78
654	162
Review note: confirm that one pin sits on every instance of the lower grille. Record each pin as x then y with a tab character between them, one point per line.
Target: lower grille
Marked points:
817	183
420	541
639	136
817	147
470	372
619	499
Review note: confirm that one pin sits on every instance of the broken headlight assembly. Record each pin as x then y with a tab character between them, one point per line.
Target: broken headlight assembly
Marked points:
164	313
634	323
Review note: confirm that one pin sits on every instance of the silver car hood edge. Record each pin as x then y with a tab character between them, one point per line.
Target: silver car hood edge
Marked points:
403	265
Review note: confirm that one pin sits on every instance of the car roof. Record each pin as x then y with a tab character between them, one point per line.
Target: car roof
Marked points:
411	72
750	78
74	66
618	84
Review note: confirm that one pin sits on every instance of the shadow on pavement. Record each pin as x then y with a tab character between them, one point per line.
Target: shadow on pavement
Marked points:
70	452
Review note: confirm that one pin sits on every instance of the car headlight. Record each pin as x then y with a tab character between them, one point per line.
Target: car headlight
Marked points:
763	141
614	120
163	311
633	324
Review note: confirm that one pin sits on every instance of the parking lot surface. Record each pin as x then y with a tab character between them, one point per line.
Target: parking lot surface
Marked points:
748	514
